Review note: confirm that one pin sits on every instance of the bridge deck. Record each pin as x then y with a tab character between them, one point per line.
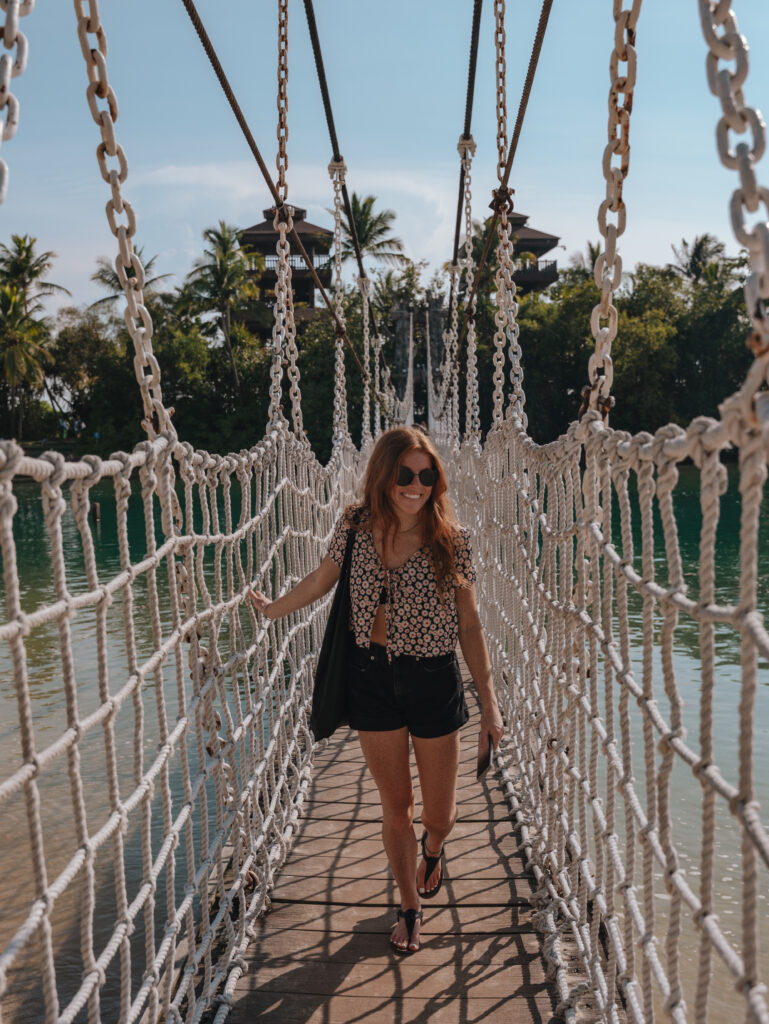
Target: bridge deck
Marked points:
322	953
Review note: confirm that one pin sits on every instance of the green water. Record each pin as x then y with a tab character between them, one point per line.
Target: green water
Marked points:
50	715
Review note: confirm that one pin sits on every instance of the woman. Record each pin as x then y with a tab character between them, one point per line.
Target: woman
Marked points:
413	596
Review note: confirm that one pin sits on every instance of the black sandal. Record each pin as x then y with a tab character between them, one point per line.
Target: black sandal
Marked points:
430	865
411	917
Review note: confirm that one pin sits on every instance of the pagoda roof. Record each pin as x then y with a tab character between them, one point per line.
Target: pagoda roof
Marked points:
523	233
301	226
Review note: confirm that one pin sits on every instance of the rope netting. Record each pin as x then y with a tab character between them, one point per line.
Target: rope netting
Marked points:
195	723
583	610
154	793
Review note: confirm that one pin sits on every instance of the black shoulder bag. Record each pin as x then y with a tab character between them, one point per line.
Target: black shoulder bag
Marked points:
329	695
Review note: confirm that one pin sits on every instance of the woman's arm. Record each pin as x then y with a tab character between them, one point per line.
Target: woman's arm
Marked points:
473	644
307	590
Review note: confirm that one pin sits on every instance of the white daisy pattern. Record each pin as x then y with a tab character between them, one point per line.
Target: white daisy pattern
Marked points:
418	622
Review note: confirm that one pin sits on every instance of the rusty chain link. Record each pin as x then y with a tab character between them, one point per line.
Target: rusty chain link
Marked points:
466	148
507	308
365	287
282	160
501	70
727	45
11	67
93	44
616	162
337	170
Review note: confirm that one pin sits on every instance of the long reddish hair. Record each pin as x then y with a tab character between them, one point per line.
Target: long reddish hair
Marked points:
439	526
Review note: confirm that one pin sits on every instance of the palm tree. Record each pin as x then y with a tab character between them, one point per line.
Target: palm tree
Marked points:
23	270
21	347
374	233
106	275
693	260
222	280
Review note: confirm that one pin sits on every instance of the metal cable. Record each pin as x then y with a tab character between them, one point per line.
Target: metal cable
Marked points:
468	114
320	68
240	118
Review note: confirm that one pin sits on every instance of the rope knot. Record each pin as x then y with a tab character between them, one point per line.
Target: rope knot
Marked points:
96	471
97	970
58	462
10	456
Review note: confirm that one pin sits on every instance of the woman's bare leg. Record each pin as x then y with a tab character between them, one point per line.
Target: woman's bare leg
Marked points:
387	757
438	764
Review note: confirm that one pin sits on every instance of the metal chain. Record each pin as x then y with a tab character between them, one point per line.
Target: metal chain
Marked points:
284	350
377	351
608	266
466	148
337	169
507	308
276	418
504	285
365	287
501	70
719	26
282	160
11	67
450	348
137	317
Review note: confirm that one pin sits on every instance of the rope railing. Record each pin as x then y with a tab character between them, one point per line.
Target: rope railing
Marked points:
152	796
202	738
583	617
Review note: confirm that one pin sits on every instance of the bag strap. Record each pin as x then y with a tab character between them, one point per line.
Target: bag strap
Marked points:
346	564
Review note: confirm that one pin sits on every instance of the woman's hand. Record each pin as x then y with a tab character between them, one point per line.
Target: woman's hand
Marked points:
491	726
262	603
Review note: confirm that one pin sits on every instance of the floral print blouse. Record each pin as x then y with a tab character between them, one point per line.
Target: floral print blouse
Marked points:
418	623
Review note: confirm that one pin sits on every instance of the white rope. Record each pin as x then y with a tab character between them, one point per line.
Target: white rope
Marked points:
580	610
553	588
217	801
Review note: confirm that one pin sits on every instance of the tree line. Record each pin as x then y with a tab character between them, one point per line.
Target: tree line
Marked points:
680	347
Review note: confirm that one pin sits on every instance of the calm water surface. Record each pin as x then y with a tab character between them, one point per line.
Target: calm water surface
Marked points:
50	716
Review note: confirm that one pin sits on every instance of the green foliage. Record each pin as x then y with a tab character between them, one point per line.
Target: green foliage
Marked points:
374	231
679	349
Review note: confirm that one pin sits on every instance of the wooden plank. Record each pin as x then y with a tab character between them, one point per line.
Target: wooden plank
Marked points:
290	1008
322	953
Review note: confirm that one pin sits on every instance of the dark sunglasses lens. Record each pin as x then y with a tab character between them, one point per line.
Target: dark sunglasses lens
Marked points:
427	477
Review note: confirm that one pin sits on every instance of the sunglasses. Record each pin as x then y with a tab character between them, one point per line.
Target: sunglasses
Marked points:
427	477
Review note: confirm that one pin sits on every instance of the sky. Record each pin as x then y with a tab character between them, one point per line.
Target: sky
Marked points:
397	74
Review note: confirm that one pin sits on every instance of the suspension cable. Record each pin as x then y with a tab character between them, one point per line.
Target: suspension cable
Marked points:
501	195
337	156
227	89
474	34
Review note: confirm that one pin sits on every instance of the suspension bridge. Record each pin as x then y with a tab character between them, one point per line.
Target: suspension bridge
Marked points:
216	863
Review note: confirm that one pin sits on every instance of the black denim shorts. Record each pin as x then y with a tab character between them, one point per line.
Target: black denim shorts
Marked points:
424	694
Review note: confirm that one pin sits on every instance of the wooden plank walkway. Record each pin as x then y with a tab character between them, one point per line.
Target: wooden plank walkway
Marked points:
321	956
